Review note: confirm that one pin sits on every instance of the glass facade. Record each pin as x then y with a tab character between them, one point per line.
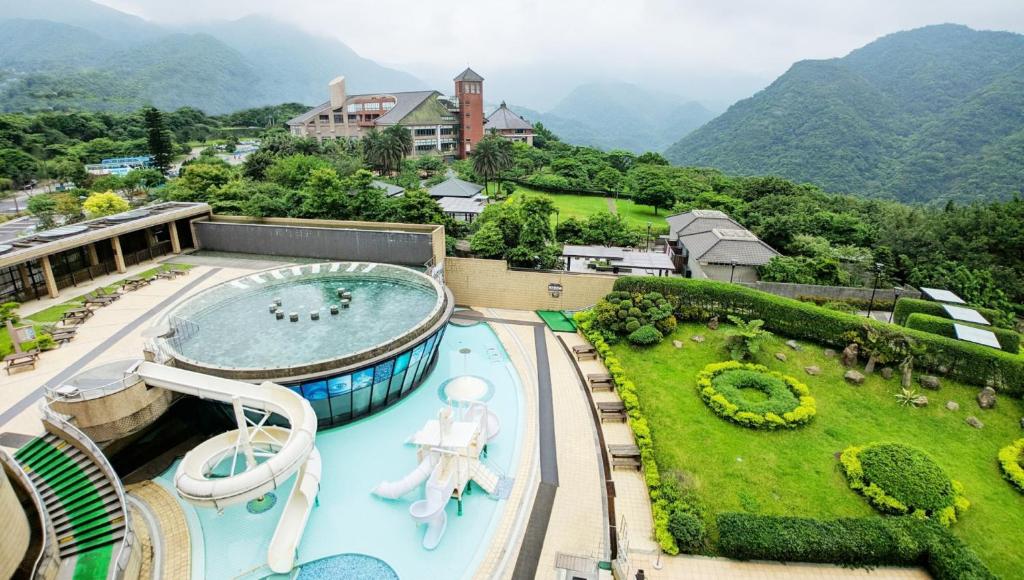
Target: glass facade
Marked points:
344	398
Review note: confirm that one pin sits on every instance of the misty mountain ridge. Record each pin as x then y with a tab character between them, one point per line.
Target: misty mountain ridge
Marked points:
929	114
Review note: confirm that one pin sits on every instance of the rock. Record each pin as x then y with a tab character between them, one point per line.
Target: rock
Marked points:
929	382
887	373
793	344
813	370
952	405
974	422
697	338
850	355
987	398
677	343
854	377
713	323
829	352
781	356
920	401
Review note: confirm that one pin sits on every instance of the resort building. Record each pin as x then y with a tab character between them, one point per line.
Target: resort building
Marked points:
459	198
709	244
440	125
509	125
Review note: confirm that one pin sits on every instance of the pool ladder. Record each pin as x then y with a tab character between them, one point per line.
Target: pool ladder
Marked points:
493	355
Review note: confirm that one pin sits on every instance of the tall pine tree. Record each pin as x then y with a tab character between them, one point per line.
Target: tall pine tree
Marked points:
159	139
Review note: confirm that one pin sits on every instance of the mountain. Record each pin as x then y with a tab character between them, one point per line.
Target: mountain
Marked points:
621	116
68	54
931	114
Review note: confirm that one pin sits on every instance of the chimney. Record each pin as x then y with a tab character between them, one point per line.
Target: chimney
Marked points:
338	93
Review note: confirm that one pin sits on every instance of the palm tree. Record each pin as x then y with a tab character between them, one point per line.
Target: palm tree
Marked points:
492	155
373	149
404	136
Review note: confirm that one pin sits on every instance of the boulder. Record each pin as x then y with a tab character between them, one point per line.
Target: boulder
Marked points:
793	344
850	354
677	343
987	398
929	382
920	401
813	370
697	338
829	352
781	356
854	377
887	373
952	405
713	323
974	422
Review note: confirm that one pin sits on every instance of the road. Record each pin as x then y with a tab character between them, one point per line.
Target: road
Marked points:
7	204
12	229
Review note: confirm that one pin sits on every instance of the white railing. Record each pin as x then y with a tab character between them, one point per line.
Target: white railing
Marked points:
60	393
46	549
61	422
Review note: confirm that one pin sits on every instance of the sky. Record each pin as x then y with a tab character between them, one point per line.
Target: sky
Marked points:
714	51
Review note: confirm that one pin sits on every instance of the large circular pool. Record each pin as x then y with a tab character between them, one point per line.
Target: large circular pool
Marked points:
325	329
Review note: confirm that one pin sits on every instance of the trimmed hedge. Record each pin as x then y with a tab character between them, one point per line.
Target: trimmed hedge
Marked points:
1010	459
1009	340
907	306
899	479
702	299
789	403
897	541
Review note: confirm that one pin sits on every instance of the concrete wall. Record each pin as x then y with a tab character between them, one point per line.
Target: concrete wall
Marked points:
386	245
16	535
119	414
722	272
837	293
490	283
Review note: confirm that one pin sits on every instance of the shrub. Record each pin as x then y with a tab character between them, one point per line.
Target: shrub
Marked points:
687	529
645	335
45	342
702	299
721	387
850	541
907	306
1009	340
1011	461
746	339
624	313
839	306
899	479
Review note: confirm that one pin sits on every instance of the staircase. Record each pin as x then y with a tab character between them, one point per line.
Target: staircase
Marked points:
82	503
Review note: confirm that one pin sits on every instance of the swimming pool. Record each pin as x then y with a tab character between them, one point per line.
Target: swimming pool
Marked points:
356	457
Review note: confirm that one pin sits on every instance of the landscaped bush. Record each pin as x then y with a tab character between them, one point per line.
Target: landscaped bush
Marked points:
645	335
903	541
899	479
1009	340
1011	461
725	388
907	306
702	299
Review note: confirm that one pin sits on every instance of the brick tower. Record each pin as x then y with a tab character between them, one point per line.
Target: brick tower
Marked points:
469	90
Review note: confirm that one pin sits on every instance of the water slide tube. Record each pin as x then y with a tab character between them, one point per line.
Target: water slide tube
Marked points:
430	510
294	446
396	489
492	425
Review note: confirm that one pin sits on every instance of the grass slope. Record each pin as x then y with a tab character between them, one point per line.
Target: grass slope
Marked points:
796	472
583	206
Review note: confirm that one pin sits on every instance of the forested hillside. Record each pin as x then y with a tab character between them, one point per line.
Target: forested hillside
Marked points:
930	114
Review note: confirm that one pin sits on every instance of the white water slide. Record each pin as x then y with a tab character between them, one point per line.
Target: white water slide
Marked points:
284	452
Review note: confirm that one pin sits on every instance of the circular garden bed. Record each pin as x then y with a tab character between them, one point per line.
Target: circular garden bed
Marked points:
900	479
753	396
1011	461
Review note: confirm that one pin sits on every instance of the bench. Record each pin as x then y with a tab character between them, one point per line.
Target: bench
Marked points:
612	411
21	359
625	456
584	352
600	382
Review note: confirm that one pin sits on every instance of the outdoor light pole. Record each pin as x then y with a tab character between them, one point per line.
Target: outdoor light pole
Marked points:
874	287
647	240
732	271
556	223
895	297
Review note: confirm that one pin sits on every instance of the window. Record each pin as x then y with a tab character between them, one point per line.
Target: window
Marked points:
355	107
371	107
447	130
339	118
352	118
388	105
324	118
425	132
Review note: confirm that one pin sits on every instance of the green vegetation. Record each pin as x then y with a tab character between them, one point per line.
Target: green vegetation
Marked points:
899	479
926	115
1009	340
1011	461
734	469
752	396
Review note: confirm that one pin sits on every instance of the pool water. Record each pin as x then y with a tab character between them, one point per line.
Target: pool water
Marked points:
241	332
349	519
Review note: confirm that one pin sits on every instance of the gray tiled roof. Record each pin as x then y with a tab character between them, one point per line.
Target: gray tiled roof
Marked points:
390	189
305	117
455	187
472	205
697	221
722	246
469	75
405	102
503	118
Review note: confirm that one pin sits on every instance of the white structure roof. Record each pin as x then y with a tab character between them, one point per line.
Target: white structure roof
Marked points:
621	256
965	314
939	295
468	205
976	335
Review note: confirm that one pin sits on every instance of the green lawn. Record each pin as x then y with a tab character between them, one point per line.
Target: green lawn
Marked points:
795	472
582	206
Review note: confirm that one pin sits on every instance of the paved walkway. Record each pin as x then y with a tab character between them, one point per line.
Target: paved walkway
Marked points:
174	543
